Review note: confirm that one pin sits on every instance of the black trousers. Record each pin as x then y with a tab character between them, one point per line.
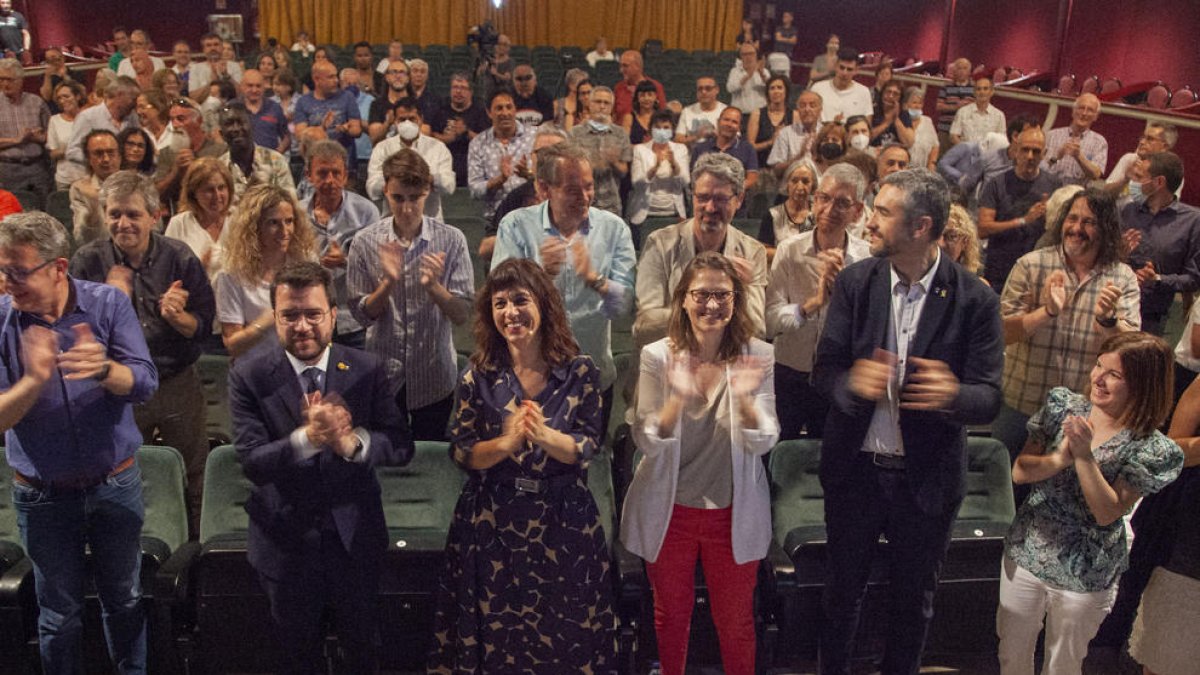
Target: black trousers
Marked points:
856	513
798	404
427	423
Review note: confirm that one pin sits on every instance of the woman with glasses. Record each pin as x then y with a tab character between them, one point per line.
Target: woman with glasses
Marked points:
1089	458
270	230
527	586
70	96
568	109
137	150
705	416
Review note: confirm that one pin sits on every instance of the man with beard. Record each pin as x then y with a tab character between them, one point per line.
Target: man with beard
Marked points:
798	293
214	67
717	192
608	149
1012	206
458	121
311	422
494	156
587	251
379	117
1059	304
14	30
903	380
534	105
795	141
250	164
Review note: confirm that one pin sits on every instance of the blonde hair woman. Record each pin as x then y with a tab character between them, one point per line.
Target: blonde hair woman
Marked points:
960	240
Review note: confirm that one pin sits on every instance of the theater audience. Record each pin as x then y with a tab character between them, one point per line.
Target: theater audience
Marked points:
645	104
858	133
727	140
632	73
268	67
395	53
823	64
534	105
526	194
793	216
419	85
705	416
764	125
1075	153
104	159
660	172
24	118
182	51
409	279
203	221
212	69
268	122
806	264
527	422
972	123
698	121
330	108
1089	458
798	140
891	122
248	163
747	81
924	149
173	162
841	96
174	304
494	155
369	80
567	110
70	97
379	118
458	121
408	124
167	81
139	42
54	76
497	71
600	52
154	115
268	231
1158	137
137	150
960	240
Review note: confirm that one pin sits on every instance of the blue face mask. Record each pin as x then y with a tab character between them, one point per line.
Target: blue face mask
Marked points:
598	126
661	135
1135	189
914	113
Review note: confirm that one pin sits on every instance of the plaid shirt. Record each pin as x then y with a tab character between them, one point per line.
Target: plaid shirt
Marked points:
30	112
269	168
1092	146
1062	352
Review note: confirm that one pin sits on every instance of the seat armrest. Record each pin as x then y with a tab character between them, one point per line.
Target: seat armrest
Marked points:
14	582
172	582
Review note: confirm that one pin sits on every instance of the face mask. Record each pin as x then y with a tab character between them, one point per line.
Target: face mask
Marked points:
860	141
408	130
661	135
914	113
830	150
353	89
598	126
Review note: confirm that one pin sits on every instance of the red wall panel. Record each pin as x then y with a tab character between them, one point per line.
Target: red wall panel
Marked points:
1015	33
1134	40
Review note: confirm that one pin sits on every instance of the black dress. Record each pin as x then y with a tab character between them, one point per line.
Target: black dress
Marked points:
527	585
766	130
637	132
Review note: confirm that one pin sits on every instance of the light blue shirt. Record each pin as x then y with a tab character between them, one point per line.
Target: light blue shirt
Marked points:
355	213
610	246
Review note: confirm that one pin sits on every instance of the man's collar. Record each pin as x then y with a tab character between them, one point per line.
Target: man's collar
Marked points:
299	366
549	226
926	280
120	257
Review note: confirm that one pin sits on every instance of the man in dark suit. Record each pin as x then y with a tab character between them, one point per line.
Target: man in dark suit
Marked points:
912	351
311	421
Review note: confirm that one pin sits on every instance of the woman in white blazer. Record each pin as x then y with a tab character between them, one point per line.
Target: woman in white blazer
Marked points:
705	416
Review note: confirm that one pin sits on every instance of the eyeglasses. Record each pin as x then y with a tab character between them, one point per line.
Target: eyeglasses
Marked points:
841	204
310	316
718	201
19	276
702	297
523	78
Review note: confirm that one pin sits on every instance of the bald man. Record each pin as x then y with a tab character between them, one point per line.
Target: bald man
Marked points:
334	110
1074	152
632	73
268	122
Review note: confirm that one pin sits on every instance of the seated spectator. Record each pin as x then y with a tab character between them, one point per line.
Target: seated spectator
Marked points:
891	122
793	216
645	105
23	128
104	159
924	149
632	74
495	154
829	146
955	95
825	63
337	215
567	111
960	240
369	80
410	281
660	172
250	164
972	123
333	109
698	121
728	140
268	67
348	79
600	52
802	276
439	163
526	194
70	97
717	192
457	122
214	67
205	204
395	53
268	123
766	123
1075	153
858	133
137	151
167	81
534	105
1158	137
269	231
379	119
841	96
608	149
747	80
798	140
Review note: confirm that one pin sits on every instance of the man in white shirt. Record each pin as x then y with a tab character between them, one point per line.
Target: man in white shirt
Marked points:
138	40
748	80
972	123
1158	137
794	142
407	114
214	67
699	120
842	97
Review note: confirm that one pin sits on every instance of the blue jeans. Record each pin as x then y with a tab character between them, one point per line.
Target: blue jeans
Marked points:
55	527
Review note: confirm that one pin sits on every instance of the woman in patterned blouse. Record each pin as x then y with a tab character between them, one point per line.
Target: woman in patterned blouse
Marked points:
527	584
1089	458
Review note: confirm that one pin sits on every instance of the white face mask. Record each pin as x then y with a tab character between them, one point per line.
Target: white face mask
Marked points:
860	141
598	126
914	113
408	130
661	135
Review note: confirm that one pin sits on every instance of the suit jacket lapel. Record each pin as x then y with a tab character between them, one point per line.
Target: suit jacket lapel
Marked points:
287	387
880	303
938	299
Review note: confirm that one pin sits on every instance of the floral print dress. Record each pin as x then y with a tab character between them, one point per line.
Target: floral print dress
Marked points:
1054	534
527	585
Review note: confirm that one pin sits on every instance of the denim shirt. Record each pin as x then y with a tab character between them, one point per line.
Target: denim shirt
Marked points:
76	428
1054	535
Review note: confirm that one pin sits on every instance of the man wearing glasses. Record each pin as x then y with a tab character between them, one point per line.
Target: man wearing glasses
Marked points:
699	120
23	121
379	116
175	307
73	363
311	422
116	114
798	293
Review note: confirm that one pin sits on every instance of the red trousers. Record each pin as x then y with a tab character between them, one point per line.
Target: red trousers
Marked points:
705	533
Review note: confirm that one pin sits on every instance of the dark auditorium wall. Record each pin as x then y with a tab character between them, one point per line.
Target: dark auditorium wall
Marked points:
87	22
902	28
1013	33
1135	40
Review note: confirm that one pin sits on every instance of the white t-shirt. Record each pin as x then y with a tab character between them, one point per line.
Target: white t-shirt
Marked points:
692	118
200	75
126	66
58	134
185	228
854	100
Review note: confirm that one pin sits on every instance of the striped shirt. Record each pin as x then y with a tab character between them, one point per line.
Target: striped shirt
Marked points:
1092	146
483	163
1062	352
412	336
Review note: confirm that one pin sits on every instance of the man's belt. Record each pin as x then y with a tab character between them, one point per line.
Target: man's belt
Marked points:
73	484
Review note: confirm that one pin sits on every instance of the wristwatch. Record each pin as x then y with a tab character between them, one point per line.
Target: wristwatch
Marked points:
1107	323
104	372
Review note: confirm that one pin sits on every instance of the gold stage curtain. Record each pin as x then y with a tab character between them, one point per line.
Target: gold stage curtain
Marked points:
682	24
